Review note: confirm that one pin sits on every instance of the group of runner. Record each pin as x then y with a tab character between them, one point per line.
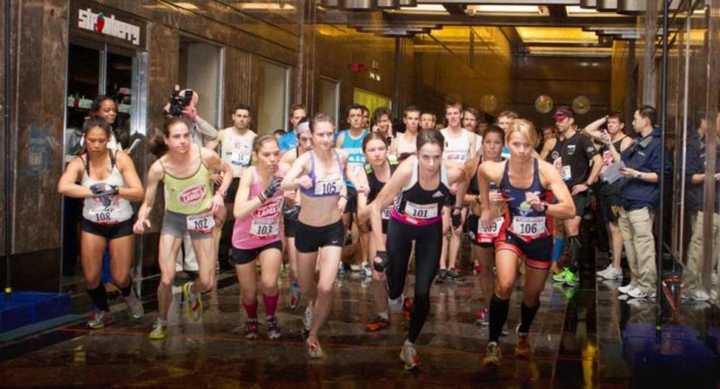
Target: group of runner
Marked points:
397	196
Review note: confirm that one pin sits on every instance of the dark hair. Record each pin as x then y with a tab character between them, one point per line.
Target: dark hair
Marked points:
157	143
243	107
320	118
494	129
615	115
648	112
179	99
411	108
261	140
365	109
430	136
453	104
95	122
354	106
97	103
279	131
295	107
380	112
373	135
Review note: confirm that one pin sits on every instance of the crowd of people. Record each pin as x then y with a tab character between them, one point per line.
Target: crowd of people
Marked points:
404	194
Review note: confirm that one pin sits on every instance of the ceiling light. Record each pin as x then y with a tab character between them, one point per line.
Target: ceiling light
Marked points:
575	10
426	8
504	9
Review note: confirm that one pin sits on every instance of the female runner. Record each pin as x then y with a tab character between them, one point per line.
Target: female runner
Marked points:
320	176
257	234
190	206
108	182
525	184
419	188
482	239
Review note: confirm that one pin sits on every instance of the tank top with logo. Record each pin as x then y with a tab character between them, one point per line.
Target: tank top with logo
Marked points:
189	195
105	209
419	207
261	226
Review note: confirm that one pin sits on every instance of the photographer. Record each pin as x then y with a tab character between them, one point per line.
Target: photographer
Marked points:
185	103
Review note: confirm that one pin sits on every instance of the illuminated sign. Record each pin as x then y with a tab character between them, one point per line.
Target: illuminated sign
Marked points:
108	25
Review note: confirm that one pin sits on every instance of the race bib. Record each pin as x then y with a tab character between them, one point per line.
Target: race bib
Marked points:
106	216
386	213
489	233
203	222
240	157
421	211
328	186
566	173
456	156
264	228
528	227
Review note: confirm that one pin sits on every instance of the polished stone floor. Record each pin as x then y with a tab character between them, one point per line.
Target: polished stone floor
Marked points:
581	338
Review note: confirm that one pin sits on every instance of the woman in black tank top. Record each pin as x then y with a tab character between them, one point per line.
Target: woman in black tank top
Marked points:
419	188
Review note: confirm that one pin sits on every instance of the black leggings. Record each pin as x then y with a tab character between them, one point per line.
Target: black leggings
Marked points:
428	244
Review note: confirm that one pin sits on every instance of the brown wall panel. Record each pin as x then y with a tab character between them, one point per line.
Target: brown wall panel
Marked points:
239	83
40	110
5	133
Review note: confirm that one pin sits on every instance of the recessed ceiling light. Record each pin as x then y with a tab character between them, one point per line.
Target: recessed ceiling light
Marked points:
507	9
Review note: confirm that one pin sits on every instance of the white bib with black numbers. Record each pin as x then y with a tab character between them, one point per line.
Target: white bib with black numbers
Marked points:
421	211
528	227
203	222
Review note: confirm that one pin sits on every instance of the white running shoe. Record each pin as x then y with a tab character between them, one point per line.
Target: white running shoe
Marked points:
625	289
409	356
307	319
698	295
638	293
396	305
610	273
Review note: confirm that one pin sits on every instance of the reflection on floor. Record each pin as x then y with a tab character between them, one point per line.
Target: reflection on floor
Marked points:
581	338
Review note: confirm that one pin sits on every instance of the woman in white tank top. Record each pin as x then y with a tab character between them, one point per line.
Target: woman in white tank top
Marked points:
108	182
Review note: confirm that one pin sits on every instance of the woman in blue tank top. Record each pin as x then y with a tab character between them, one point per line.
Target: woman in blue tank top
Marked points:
525	183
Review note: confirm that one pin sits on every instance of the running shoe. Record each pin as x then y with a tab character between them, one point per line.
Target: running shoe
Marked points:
99	319
159	330
314	350
273	331
134	305
638	293
453	274
442	276
482	317
356	268
367	270
251	329
409	356
560	276
407	307
626	288
610	273
522	348
567	277
492	355
378	324
396	305
195	305
294	295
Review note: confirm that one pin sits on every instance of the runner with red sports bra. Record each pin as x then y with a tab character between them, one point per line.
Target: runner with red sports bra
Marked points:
525	184
258	234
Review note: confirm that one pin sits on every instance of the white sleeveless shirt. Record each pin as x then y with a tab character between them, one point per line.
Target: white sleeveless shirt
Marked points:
236	149
105	209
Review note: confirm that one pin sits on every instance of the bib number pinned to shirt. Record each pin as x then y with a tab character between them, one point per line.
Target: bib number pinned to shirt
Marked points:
386	213
421	211
105	217
528	227
264	228
327	186
203	222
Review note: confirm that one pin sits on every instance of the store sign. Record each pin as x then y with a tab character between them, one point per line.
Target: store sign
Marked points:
108	25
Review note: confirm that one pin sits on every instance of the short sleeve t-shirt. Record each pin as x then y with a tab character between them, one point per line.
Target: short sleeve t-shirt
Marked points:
572	156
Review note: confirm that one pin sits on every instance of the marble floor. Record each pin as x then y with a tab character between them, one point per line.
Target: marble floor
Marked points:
583	337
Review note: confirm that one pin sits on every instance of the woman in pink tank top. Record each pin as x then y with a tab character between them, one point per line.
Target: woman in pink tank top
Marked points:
258	233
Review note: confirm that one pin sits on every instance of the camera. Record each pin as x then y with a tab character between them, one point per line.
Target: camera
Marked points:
178	101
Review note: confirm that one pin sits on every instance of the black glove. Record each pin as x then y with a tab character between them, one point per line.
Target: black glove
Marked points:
456	217
272	187
103	189
381	261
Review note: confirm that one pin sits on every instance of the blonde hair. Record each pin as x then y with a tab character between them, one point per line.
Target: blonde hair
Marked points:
525	128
